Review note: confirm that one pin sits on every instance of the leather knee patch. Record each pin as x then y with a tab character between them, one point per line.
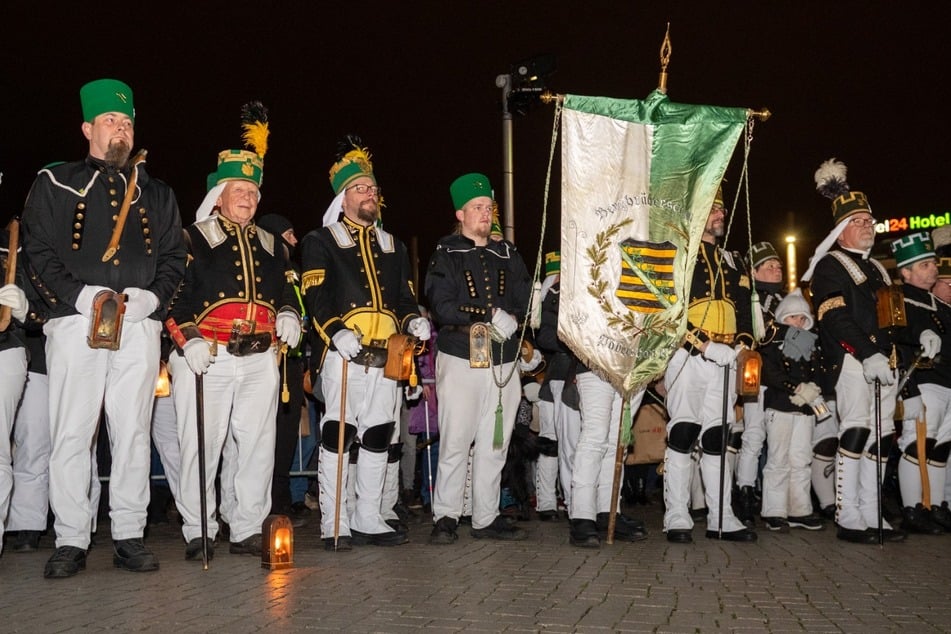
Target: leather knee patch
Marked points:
329	433
547	446
853	440
736	440
682	436
887	442
377	438
394	452
939	453
712	441
826	447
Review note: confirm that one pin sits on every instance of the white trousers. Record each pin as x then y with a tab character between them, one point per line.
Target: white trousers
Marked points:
82	381
29	505
937	413
567	430
788	471
165	439
12	379
371	400
754	434
240	401
468	398
546	469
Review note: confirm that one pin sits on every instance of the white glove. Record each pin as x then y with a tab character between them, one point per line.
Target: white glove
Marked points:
720	353
930	342
420	329
347	344
805	393
531	364
197	355
287	328
141	304
911	408
876	367
413	393
84	301
13	296
504	323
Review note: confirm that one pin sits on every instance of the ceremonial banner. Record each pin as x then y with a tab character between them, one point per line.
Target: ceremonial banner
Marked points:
638	181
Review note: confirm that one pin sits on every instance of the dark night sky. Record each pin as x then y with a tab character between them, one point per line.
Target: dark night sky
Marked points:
417	81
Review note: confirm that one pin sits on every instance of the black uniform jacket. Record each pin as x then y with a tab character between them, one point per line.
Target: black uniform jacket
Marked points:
465	282
781	374
68	220
356	276
233	273
720	297
924	311
843	288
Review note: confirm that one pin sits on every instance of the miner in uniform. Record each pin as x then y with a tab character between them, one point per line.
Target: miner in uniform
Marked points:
844	282
357	288
719	321
472	281
70	214
237	305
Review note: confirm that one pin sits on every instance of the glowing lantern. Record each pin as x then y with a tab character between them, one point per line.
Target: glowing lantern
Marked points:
277	541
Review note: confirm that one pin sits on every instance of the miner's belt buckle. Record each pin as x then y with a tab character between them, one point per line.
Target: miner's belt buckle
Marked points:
243	327
717	337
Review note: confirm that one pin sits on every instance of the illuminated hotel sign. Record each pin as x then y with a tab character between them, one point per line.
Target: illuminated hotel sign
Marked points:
913	223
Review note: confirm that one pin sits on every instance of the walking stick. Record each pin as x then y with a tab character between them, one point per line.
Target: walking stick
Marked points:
616	481
340	434
429	452
878	459
202	497
724	439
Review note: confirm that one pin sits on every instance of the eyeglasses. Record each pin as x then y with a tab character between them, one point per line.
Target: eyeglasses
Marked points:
863	222
363	189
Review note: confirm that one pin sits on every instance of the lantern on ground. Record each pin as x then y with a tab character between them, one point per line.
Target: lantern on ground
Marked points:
277	543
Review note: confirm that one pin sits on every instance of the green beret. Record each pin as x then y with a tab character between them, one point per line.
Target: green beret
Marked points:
106	95
469	186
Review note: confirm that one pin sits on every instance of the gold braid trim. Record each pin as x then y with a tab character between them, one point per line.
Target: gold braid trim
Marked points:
829	304
314	277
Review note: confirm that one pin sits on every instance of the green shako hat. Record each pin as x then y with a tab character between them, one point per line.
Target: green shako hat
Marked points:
106	95
760	253
245	165
552	262
831	183
353	161
469	186
912	248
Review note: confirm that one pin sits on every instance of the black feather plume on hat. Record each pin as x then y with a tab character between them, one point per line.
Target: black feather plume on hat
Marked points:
348	144
830	179
255	125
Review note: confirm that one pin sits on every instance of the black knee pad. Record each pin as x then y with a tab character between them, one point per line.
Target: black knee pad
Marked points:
329	433
887	442
938	454
826	448
712	441
377	438
682	436
394	452
547	446
853	440
736	440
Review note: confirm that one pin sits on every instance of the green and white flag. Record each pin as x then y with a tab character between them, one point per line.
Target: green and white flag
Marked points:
638	181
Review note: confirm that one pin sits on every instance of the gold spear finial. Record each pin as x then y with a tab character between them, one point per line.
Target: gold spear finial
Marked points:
665	50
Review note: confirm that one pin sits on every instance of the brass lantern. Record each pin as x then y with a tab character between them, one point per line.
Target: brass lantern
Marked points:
748	366
277	543
163	387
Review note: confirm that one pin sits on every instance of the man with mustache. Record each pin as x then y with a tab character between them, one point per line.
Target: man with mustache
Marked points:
70	214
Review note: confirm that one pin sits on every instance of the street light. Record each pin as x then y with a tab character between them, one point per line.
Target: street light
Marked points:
521	88
792	279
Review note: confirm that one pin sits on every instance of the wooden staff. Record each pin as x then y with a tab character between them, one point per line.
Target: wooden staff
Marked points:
340	443
616	482
10	276
124	210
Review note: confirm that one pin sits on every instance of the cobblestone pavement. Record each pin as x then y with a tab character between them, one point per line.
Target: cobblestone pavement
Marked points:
795	582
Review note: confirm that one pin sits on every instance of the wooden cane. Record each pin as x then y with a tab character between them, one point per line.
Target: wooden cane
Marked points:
616	482
921	438
724	440
124	210
340	438
10	275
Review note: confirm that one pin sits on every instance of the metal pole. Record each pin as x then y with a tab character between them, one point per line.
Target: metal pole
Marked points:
202	496
429	445
724	439
508	163
878	459
340	443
